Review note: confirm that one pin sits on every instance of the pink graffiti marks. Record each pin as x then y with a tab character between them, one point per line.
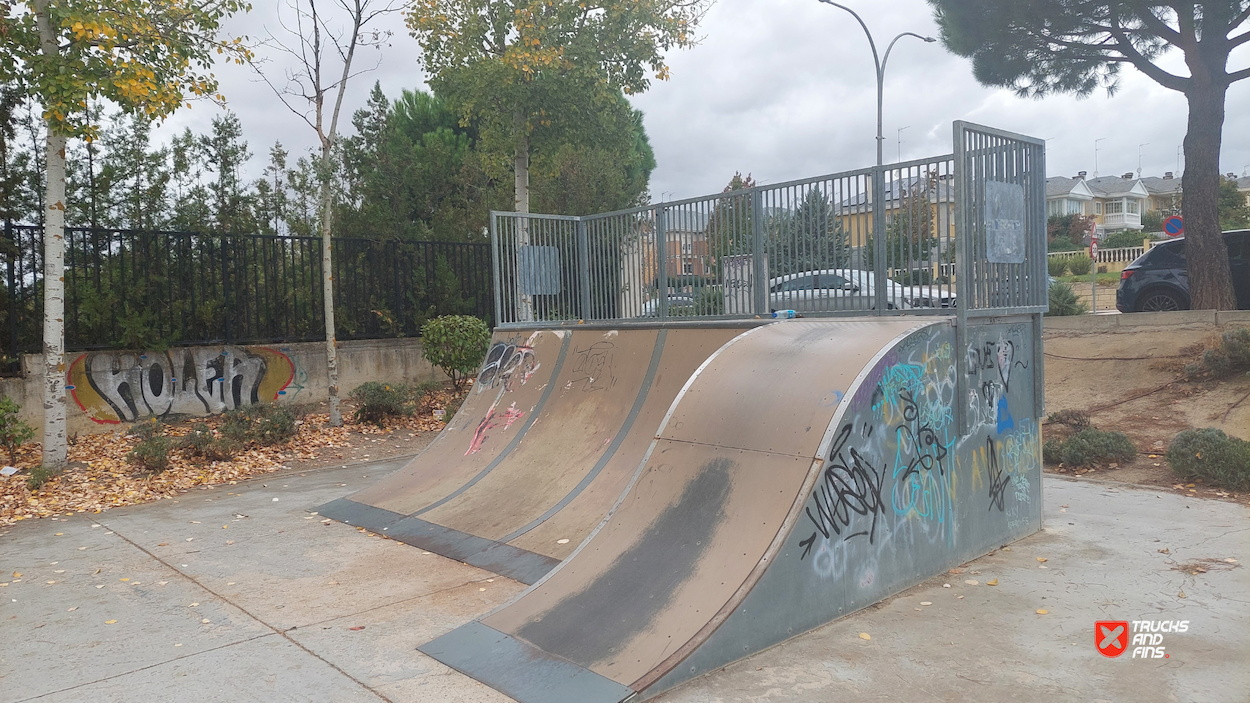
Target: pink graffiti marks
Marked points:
492	420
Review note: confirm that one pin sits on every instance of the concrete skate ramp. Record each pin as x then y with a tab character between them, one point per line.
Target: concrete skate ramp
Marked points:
543	446
807	469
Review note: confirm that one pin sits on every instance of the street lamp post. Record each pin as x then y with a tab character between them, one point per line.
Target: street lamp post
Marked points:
880	63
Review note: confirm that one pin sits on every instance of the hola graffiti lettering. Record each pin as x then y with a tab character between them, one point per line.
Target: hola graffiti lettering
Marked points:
112	387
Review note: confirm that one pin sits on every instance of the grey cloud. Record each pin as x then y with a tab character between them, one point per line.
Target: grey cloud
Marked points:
785	89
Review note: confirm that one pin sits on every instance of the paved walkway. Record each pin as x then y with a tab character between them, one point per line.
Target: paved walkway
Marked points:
237	593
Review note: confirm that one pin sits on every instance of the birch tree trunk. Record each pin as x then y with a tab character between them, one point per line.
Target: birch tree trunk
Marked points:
521	204
327	287
54	447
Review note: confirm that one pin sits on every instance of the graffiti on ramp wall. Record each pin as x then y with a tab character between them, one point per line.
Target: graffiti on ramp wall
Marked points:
115	386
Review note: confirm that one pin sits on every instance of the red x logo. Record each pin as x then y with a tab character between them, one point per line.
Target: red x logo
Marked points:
1111	637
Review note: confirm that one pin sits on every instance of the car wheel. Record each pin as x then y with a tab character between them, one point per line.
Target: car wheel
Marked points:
1161	301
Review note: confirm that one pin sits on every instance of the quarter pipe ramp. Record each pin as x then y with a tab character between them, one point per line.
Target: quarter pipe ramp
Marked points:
706	493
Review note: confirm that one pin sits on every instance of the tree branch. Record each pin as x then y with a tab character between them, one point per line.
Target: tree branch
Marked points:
1125	46
1158	26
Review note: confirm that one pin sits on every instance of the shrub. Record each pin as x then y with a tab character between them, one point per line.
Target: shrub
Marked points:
38	476
1063	301
709	301
152	451
262	423
1062	244
1056	265
377	401
1212	456
1228	356
1089	446
456	344
1125	238
1075	419
1080	265
202	441
14	432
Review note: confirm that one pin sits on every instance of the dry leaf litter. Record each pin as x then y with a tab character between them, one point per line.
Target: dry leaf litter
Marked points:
99	476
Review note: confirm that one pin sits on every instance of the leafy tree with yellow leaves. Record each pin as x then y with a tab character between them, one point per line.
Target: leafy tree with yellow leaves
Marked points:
149	57
533	71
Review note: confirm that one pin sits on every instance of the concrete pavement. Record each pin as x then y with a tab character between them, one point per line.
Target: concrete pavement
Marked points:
238	593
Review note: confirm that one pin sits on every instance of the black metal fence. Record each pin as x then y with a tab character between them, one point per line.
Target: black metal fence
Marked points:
143	289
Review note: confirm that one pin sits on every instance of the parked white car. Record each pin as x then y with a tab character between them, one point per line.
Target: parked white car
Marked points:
829	290
930	296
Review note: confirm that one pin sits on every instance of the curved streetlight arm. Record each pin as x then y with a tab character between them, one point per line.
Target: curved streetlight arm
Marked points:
879	63
927	40
873	45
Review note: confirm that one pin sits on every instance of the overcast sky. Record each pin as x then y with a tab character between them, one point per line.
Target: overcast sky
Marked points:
784	89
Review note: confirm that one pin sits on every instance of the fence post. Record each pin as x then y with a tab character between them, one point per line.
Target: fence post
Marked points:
583	274
661	260
225	285
397	298
963	280
12	279
496	271
880	265
759	290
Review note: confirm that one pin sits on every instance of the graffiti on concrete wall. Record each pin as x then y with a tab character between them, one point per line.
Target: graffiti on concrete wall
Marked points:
113	387
901	478
890	462
990	366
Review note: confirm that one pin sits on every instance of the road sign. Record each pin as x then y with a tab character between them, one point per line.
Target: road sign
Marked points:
1093	250
1174	226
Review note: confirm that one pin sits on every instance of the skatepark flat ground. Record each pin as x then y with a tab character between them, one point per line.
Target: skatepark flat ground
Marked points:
238	593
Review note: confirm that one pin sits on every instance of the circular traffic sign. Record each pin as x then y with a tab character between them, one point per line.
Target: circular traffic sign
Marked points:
1174	226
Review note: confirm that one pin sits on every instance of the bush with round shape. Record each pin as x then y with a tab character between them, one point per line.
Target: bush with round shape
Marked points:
377	401
457	344
1056	265
1088	447
1211	456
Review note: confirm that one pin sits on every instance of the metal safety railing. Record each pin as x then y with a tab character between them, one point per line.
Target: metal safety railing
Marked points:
961	231
139	288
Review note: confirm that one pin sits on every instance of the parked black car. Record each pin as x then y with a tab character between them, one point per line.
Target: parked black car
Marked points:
1158	280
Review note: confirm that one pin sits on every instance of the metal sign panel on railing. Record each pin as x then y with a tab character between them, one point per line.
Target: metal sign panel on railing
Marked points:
538	270
1004	222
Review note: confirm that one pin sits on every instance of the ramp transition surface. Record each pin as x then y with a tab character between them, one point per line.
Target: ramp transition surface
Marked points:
550	435
807	468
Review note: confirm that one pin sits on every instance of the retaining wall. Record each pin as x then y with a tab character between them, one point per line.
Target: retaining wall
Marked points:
108	388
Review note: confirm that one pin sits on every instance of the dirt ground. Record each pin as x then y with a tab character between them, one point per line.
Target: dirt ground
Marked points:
1128	381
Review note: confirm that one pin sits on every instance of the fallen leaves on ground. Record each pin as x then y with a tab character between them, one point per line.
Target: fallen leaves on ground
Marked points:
99	477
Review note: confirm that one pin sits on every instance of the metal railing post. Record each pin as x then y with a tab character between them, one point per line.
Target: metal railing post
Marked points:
583	269
661	260
880	267
962	280
500	318
759	290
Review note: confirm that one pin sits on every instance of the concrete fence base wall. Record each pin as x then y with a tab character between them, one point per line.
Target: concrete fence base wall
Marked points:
108	388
